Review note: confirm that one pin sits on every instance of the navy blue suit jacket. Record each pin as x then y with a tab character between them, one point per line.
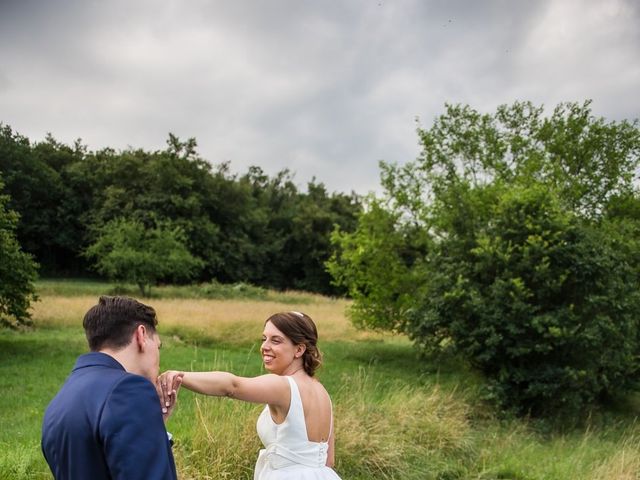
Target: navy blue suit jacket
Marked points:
106	423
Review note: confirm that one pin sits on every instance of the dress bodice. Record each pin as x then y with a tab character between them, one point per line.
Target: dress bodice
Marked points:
287	444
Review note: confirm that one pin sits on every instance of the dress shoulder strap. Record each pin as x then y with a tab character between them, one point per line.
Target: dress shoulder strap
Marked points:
296	399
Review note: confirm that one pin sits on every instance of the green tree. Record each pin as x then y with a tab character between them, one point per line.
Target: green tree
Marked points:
307	241
172	185
285	233
18	271
36	193
377	264
522	267
126	251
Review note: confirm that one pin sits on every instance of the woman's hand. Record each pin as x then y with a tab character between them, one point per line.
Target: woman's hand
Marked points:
167	386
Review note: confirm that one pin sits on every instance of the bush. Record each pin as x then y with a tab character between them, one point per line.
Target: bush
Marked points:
219	290
543	303
18	271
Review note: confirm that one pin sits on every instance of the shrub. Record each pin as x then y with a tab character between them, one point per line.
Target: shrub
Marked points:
543	303
18	271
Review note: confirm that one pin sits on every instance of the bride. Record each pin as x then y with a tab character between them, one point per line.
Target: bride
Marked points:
296	425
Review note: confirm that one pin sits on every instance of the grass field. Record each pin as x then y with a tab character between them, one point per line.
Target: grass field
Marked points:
397	417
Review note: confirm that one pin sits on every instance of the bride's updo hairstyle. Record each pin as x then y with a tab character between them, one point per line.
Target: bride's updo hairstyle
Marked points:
300	329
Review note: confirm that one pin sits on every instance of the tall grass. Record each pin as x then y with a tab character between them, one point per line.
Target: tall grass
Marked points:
624	464
223	441
233	322
212	290
407	432
391	429
396	417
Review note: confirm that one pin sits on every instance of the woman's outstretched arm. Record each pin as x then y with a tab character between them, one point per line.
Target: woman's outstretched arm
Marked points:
271	389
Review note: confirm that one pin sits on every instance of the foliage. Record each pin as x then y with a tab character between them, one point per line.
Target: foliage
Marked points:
530	255
289	235
39	187
18	271
248	228
306	243
377	264
127	251
542	303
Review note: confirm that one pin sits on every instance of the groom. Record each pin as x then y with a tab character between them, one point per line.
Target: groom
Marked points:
106	422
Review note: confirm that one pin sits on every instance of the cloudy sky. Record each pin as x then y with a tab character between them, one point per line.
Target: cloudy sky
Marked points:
326	88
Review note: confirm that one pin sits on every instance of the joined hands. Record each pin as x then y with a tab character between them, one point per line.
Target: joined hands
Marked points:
167	386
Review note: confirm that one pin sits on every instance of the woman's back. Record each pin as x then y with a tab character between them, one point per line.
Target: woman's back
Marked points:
317	408
290	452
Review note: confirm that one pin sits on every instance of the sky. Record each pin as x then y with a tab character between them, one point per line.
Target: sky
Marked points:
324	88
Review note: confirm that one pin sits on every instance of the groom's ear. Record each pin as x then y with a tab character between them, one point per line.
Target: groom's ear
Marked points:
140	337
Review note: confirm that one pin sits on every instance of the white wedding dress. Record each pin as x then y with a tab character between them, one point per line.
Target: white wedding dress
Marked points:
288	453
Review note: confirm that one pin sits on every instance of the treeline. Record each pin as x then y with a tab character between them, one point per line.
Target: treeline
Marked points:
241	228
512	241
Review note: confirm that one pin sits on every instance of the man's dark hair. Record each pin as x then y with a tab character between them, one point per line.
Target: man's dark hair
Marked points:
111	322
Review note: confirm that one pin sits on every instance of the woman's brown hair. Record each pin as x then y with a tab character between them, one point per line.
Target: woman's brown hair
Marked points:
300	329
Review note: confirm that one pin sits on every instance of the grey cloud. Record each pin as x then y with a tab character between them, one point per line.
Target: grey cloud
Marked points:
326	89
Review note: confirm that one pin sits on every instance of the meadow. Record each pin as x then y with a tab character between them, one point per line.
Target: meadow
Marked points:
397	416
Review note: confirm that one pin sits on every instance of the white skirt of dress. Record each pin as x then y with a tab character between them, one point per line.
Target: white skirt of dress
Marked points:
266	471
297	472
